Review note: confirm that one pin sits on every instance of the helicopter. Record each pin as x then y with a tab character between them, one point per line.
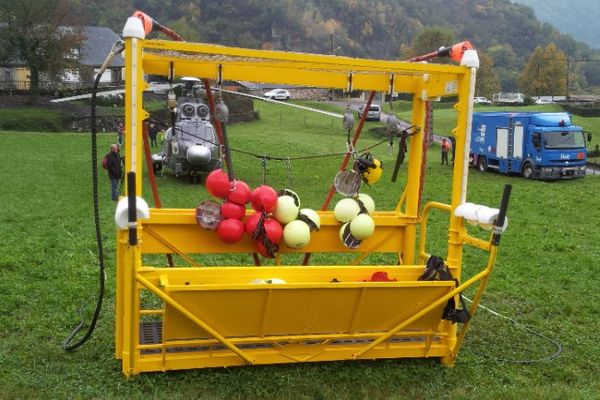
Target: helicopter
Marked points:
190	146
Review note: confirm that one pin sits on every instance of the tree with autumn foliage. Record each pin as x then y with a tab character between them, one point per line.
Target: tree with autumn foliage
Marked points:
41	35
487	82
545	74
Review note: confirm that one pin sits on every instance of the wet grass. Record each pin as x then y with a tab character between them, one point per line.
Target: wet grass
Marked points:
546	278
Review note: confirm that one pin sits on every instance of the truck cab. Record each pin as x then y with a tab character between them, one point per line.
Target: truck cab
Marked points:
536	145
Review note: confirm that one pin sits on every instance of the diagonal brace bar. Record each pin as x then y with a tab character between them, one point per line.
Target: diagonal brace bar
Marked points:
419	314
172	247
167	299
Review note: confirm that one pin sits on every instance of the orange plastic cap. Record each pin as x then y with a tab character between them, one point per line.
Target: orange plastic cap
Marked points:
147	21
459	49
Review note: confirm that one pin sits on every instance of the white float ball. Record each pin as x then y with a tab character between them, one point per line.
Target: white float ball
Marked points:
367	201
312	215
362	227
286	210
346	209
296	234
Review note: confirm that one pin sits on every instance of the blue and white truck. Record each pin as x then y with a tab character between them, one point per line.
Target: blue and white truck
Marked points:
534	144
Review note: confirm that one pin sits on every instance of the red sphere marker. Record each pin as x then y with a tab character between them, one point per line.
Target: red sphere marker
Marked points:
273	230
217	183
264	198
262	249
232	210
239	192
230	230
251	223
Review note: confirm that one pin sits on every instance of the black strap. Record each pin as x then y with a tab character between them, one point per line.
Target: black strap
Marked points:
437	270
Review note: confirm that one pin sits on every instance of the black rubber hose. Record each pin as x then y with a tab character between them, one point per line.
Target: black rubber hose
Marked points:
67	345
117	48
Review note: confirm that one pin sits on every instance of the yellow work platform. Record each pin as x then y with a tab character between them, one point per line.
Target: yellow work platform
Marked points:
194	316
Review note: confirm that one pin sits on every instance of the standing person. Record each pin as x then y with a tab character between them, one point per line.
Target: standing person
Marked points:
120	130
115	170
445	148
152	132
453	146
161	136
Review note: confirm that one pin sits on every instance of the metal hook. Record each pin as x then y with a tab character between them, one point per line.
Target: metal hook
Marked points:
263	164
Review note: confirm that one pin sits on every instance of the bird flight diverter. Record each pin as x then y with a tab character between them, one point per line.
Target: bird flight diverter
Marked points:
221	112
347	182
348	119
208	214
392	124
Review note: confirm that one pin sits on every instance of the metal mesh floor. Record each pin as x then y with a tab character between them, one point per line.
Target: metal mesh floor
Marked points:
151	333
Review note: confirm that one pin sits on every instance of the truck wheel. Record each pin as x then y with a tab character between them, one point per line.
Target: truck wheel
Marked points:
527	171
482	164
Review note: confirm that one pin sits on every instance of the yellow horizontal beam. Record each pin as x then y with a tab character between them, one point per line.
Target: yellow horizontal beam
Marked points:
183	216
221	54
326	71
476	242
315	353
169	229
239	275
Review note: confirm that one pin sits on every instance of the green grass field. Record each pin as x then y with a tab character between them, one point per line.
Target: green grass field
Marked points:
546	277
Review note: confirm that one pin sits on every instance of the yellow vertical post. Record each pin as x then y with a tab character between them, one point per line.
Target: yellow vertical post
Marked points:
120	270
130	258
462	133
134	113
413	179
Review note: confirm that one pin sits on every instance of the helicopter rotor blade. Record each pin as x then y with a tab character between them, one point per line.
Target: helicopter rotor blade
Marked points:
283	103
216	89
88	95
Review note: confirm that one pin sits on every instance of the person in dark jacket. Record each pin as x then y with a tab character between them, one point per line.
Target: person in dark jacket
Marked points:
115	170
453	146
152	133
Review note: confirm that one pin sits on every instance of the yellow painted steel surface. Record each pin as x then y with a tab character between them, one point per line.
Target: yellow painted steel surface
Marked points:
192	316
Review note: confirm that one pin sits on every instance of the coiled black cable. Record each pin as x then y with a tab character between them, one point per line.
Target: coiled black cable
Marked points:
67	343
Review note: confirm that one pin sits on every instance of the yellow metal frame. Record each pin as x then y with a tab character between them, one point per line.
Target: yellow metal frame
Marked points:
214	316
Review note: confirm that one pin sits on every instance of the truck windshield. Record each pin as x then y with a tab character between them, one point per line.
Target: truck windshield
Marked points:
564	140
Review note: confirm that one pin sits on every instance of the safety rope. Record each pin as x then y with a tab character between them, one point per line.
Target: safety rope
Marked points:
281	158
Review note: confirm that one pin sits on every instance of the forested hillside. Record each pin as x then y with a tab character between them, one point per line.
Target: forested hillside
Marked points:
576	17
506	32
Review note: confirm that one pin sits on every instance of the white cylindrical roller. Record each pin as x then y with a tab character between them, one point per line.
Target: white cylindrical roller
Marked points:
121	212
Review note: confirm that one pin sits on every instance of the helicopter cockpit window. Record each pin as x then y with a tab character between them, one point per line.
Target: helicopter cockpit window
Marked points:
202	111
188	111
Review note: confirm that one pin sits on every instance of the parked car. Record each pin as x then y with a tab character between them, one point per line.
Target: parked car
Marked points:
158	87
481	100
543	101
278	94
374	112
